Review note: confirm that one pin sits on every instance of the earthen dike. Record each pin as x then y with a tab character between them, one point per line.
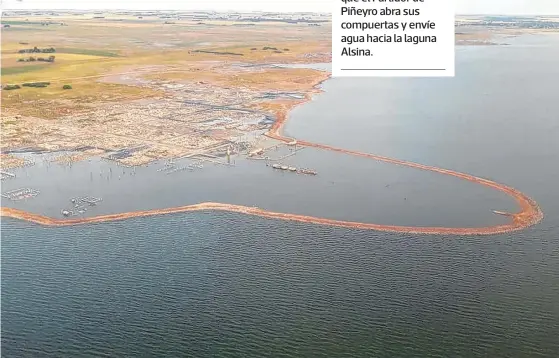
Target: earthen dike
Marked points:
529	214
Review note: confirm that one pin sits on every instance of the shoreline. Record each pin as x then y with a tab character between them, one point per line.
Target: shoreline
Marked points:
529	214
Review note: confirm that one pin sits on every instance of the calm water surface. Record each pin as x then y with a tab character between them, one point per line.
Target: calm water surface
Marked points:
222	284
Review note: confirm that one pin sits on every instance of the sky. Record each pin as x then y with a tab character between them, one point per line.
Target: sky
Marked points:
504	7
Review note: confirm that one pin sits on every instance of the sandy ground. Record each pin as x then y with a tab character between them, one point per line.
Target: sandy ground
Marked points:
128	91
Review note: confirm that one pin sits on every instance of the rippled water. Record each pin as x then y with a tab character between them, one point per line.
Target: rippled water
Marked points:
222	284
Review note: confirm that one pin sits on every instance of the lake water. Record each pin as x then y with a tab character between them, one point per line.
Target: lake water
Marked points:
211	284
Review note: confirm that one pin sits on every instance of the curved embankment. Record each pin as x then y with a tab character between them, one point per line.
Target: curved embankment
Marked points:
529	213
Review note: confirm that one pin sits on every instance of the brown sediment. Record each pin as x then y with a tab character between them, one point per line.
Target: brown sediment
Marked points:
8	161
529	214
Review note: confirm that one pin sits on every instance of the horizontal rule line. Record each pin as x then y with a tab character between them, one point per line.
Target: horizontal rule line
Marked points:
393	69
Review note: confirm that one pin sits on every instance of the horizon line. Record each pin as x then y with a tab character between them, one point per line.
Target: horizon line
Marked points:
250	11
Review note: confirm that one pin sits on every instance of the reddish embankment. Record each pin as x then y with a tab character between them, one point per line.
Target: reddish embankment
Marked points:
528	215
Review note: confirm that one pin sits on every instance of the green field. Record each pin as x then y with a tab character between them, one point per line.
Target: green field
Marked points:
89	52
13	22
21	69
